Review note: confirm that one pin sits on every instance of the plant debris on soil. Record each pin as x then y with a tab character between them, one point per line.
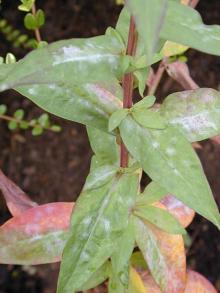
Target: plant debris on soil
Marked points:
53	167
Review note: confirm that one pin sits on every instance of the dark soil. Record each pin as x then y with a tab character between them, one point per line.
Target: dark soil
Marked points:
53	167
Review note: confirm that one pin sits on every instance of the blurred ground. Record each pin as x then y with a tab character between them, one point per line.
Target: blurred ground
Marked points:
53	167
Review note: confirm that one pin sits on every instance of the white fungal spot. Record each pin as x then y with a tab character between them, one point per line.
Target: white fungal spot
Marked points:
76	54
87	220
170	151
32	91
107	225
84	256
155	144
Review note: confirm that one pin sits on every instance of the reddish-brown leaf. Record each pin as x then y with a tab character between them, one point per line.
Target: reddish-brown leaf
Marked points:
37	236
17	201
195	283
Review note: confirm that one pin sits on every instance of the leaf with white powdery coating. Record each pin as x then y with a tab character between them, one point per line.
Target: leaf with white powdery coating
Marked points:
195	113
164	254
99	218
62	79
159	153
37	236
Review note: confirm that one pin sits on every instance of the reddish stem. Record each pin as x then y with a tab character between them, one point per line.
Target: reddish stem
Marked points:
127	84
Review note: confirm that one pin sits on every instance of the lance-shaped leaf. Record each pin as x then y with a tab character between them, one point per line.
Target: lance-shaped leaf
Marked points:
16	199
184	25
62	79
183	213
148	118
116	118
73	61
100	216
104	146
37	236
90	104
157	215
196	113
167	157
119	278
98	277
164	254
149	16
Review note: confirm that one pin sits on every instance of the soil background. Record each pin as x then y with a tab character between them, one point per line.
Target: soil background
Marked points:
53	167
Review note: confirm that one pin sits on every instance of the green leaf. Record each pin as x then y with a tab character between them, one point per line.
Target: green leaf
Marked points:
24	125
149	16
100	176
37	130
3	109
19	114
148	118
104	146
119	279
90	104
152	193
116	118
10	58
95	229
145	103
73	61
168	158
184	25
26	5
44	120
195	113
56	128
30	21
12	125
40	18
141	76
160	218
98	277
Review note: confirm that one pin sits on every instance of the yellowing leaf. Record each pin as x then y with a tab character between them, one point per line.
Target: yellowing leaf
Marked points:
136	284
172	49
